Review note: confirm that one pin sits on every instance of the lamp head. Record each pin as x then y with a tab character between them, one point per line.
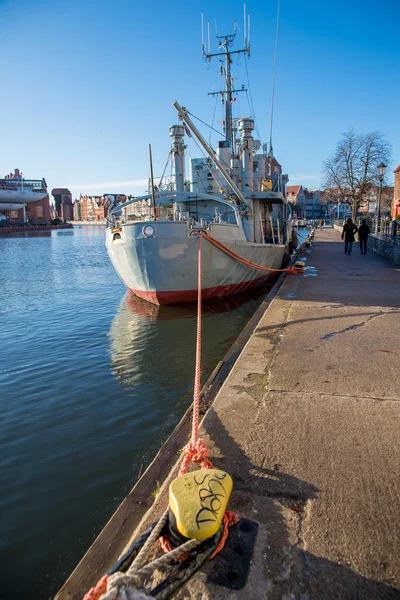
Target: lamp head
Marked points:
381	169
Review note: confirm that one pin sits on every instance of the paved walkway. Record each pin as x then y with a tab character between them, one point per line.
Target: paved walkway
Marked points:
308	426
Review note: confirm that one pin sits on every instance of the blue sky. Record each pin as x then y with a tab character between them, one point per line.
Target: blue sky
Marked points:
86	85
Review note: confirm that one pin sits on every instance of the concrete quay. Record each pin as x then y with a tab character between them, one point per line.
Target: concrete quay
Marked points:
307	424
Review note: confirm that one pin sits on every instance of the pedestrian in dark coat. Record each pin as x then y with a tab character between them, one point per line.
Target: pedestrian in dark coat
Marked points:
363	233
349	229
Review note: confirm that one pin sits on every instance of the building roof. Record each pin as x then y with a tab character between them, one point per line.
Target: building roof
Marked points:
293	189
56	191
397	170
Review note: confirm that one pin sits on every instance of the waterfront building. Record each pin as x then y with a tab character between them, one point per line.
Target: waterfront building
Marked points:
314	208
339	205
95	208
77	210
308	204
24	201
336	207
296	196
369	205
63	203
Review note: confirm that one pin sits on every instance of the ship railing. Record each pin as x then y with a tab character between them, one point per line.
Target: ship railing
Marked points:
12	184
167	213
175	206
33	184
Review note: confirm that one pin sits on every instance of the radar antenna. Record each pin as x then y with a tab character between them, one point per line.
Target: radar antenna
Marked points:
227	94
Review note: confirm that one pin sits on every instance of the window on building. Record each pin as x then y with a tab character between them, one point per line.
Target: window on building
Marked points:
39	211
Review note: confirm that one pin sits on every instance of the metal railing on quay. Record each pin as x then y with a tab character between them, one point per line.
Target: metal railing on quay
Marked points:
385	229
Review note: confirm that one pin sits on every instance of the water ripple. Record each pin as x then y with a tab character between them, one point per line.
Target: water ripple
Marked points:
93	380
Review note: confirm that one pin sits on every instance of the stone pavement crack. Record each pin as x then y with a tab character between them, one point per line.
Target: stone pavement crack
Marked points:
331	395
352	327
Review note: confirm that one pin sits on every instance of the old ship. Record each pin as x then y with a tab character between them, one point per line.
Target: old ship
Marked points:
236	195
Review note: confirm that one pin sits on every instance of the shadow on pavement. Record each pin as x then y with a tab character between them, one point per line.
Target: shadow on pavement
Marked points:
277	502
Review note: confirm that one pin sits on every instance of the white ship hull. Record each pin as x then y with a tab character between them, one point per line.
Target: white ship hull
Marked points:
19	196
163	269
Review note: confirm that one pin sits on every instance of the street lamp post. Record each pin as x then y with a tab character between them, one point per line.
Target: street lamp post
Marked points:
381	173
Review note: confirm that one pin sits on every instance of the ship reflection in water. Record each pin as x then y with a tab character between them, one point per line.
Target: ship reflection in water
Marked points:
153	347
209	307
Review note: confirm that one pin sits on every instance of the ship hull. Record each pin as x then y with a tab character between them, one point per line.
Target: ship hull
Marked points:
175	296
163	269
18	196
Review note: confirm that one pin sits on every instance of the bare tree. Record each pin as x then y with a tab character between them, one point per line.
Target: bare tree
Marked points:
387	197
350	172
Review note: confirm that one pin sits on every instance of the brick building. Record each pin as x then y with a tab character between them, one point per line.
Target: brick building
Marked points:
24	201
95	208
396	194
63	204
38	213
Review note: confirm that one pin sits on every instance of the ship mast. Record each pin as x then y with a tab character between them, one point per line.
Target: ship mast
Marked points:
227	95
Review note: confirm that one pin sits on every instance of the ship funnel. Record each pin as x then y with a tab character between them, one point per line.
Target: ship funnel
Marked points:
246	126
177	152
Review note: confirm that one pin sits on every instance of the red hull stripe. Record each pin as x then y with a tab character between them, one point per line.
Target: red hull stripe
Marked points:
171	297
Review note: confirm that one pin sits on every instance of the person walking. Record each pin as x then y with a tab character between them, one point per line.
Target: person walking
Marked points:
349	229
363	233
321	224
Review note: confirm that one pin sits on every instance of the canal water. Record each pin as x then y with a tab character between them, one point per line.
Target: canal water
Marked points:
92	380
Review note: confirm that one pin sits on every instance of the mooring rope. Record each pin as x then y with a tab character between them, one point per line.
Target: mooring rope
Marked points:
129	585
245	261
197	372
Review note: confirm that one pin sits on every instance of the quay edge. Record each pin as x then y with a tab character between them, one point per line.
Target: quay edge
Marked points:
115	536
306	423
